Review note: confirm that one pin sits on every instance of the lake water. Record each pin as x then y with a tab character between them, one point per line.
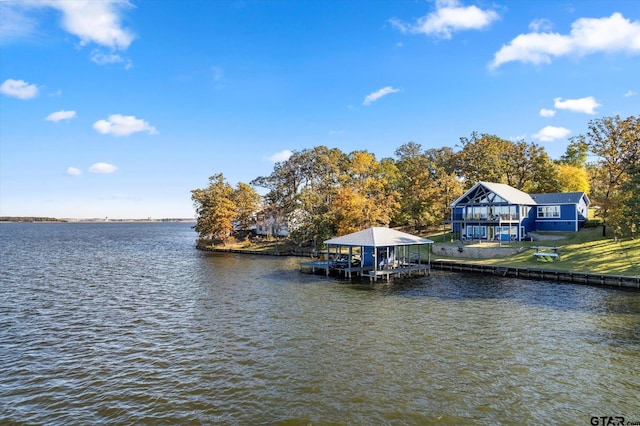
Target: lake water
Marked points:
126	323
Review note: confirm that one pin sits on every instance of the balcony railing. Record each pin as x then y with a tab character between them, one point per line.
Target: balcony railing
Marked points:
494	218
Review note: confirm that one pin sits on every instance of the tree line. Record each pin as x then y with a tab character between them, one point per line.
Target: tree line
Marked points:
322	192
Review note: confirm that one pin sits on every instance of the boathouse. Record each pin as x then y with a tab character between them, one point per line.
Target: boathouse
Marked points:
376	252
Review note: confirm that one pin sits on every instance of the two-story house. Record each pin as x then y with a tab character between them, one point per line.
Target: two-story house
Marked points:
495	211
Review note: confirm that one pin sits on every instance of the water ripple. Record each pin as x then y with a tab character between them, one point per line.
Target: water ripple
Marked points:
127	323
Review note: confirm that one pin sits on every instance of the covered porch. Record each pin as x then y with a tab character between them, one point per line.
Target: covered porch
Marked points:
489	230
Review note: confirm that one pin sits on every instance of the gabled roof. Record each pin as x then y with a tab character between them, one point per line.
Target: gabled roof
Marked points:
378	237
560	198
506	192
515	196
509	193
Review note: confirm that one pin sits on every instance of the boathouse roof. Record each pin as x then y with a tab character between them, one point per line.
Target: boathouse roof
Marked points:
378	237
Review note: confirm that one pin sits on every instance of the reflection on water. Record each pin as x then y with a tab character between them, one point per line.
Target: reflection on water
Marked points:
127	323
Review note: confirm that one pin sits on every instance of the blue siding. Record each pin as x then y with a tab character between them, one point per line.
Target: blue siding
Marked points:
367	256
529	222
457	213
556	225
566	221
568	212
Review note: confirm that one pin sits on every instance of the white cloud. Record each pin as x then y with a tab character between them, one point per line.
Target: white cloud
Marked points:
61	115
587	36
551	133
378	94
630	93
19	89
14	22
123	125
101	58
586	105
547	112
449	17
280	156
104	59
538	25
103	168
518	138
95	21
72	171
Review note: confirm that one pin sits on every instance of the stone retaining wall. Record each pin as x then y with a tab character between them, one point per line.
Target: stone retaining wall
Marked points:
475	252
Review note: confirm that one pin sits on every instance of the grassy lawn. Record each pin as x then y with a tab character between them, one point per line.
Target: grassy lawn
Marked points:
583	251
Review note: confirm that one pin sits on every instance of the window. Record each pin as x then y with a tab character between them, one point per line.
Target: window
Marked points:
548	211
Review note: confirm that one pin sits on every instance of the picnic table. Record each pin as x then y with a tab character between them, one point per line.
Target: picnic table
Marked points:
546	253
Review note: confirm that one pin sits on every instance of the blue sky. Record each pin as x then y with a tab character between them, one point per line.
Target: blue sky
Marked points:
120	108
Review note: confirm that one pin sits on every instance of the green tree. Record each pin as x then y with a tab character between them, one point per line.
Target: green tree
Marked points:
215	208
443	158
482	158
322	171
576	153
247	203
415	186
373	183
283	184
522	165
616	143
313	221
631	202
428	184
446	184
301	190
544	176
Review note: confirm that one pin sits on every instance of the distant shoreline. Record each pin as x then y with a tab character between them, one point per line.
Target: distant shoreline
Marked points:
35	219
